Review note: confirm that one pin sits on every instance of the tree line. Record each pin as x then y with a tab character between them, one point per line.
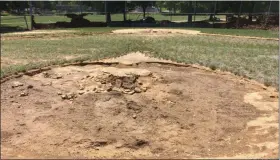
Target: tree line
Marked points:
175	7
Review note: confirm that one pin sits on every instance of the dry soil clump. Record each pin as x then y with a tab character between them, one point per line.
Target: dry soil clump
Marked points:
139	111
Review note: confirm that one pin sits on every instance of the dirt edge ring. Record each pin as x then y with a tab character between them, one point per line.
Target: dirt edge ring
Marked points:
217	71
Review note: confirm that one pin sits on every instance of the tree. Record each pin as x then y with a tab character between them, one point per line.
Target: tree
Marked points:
116	7
143	5
13	5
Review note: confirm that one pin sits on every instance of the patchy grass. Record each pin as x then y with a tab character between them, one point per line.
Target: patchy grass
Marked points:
245	57
241	32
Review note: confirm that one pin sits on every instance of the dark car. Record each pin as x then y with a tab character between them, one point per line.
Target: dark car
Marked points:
148	20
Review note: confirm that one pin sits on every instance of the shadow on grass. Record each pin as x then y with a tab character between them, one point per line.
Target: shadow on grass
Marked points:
10	29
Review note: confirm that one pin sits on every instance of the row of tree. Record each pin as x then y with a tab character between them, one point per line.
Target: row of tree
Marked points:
173	6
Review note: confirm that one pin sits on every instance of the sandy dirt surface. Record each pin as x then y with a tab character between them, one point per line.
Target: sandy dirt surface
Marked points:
168	32
146	110
155	31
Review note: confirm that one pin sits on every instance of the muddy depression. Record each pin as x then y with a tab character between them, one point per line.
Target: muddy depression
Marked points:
146	110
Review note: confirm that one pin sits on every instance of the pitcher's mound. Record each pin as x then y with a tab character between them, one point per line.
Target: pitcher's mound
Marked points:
155	31
146	110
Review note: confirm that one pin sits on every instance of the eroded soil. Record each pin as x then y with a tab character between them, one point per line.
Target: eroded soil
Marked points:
137	111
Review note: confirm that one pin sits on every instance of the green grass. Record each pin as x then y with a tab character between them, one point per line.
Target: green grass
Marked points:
245	57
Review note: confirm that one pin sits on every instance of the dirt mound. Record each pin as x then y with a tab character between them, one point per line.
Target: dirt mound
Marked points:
148	110
155	31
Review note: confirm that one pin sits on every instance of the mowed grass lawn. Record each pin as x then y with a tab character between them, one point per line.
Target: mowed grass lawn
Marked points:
252	58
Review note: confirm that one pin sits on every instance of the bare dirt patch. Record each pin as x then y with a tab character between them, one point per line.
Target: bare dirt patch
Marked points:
145	110
155	31
168	32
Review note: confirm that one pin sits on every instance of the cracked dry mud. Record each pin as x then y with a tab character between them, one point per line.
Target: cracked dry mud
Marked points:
138	111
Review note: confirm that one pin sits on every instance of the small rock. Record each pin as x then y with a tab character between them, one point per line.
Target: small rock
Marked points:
47	84
109	89
119	145
22	94
64	96
59	93
29	86
46	74
273	96
17	84
81	92
58	77
134	116
191	124
137	90
175	150
22	124
11	96
144	89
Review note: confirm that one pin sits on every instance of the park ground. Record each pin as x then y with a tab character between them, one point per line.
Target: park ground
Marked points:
154	93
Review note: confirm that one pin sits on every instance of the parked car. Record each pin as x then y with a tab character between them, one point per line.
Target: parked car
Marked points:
148	20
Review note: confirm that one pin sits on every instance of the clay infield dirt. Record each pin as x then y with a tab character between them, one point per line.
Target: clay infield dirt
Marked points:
137	108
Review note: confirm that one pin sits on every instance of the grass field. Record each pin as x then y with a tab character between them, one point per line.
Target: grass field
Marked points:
252	58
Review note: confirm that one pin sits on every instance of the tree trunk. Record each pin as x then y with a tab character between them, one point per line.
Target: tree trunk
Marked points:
190	18
190	15
250	18
124	16
108	17
124	12
211	17
144	12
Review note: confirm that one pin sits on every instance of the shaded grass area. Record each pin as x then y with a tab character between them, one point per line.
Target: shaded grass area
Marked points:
256	59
